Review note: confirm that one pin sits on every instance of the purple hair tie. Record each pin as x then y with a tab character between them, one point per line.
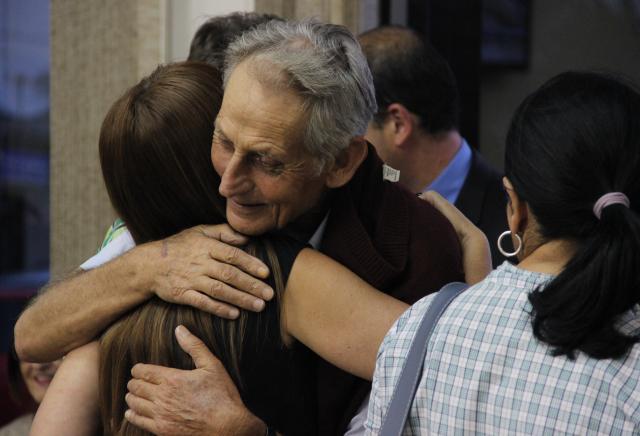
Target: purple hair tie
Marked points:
609	199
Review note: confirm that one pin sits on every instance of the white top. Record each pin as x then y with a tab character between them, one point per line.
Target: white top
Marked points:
119	245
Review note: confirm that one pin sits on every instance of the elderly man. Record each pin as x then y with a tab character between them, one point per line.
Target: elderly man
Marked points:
289	147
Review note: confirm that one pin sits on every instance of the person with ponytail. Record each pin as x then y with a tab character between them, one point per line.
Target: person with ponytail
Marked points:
550	345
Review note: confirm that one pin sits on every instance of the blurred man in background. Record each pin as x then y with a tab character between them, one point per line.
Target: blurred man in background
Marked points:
415	130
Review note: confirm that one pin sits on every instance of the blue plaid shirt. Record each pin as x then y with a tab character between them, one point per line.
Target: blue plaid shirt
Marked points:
485	373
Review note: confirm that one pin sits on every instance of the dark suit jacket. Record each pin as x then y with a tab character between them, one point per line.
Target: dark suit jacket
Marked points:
483	200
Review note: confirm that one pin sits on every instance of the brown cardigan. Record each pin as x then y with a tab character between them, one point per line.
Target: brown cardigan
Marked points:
396	242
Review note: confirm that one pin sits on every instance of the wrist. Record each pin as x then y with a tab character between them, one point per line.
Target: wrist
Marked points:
143	267
248	424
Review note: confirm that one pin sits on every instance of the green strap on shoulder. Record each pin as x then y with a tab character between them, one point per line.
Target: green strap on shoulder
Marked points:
117	228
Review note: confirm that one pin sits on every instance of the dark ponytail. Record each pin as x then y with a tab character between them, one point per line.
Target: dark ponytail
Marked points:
573	140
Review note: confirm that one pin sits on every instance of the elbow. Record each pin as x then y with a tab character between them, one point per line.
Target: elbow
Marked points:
21	343
25	342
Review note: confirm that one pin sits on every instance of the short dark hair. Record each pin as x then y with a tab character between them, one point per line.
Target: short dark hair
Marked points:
214	36
166	123
570	142
408	70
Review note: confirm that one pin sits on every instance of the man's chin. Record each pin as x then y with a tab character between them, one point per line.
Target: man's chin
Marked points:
248	228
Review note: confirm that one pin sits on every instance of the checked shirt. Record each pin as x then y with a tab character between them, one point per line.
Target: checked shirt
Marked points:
485	373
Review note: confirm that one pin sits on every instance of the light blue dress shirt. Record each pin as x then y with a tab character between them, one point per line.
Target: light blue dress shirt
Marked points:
449	182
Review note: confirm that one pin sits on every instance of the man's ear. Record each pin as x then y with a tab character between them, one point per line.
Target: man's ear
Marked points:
347	163
403	123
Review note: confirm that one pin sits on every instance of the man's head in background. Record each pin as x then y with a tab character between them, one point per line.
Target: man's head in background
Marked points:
214	36
415	89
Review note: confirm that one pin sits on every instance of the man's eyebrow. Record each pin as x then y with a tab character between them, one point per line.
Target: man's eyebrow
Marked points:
217	131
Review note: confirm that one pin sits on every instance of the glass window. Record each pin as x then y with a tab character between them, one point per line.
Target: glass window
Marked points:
24	146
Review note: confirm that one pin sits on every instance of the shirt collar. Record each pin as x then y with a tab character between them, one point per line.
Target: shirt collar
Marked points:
450	181
316	238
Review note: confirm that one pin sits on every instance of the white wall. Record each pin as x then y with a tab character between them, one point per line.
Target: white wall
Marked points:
185	16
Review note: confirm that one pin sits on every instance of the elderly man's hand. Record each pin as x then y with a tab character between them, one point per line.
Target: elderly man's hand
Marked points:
167	401
198	267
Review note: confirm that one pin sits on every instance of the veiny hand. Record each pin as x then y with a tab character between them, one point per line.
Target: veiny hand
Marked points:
204	401
198	267
476	256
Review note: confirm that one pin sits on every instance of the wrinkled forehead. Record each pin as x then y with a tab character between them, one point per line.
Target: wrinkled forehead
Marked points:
254	112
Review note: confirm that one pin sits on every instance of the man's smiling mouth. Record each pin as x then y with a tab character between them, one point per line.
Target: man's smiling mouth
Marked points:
245	205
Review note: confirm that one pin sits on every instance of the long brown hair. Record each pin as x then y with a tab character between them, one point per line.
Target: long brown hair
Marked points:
155	147
155	155
147	335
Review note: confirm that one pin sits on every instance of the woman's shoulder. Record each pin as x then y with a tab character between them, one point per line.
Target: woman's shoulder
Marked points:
504	289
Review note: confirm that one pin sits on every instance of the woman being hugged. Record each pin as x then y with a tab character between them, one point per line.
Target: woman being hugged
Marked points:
549	345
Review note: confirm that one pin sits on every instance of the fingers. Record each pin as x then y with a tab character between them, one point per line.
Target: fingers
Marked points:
227	273
443	206
235	256
141	421
224	233
460	223
205	303
193	346
140	406
142	389
239	293
150	373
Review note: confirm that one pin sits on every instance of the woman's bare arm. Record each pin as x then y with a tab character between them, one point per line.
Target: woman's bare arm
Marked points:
336	314
70	406
342	318
476	256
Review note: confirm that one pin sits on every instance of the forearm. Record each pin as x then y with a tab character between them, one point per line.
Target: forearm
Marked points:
336	314
476	257
72	312
70	405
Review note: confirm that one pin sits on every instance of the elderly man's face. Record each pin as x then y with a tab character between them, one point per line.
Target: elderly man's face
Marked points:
268	178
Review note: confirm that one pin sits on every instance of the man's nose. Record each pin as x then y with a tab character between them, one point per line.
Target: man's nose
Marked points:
235	178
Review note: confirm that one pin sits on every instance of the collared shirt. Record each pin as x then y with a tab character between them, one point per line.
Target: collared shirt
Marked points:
316	238
485	372
450	181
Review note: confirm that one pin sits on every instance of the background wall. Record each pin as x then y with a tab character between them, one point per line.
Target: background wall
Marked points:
357	15
568	34
98	49
185	16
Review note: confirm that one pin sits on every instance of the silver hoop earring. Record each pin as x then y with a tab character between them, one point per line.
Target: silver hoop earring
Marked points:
502	250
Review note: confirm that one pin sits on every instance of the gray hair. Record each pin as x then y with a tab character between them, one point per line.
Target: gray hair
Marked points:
325	65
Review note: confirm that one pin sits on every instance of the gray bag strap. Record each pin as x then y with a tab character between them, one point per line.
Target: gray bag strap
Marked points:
398	410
